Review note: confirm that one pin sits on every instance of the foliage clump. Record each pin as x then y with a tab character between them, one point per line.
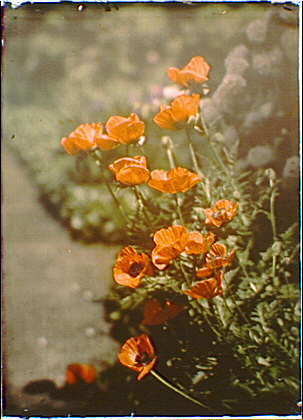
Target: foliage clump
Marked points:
205	288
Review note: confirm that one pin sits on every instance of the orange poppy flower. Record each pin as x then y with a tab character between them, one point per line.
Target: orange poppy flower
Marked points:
138	354
173	181
80	372
217	257
170	243
208	288
123	130
222	212
198	243
205	272
131	170
155	314
174	116
197	70
84	138
131	267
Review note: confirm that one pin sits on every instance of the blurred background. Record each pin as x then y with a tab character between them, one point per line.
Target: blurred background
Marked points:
68	64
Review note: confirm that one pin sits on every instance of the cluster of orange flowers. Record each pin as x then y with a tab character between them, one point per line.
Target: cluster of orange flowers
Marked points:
119	130
126	130
131	266
134	171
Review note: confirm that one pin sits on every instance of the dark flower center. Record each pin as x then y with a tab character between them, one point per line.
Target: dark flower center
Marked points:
219	213
135	269
143	358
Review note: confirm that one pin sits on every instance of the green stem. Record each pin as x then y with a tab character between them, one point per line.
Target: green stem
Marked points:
272	215
228	175
214	152
274	229
214	330
170	154
204	312
184	274
192	151
108	186
168	144
179	209
226	305
171	158
204	125
220	162
215	311
239	309
177	390
118	205
140	201
196	165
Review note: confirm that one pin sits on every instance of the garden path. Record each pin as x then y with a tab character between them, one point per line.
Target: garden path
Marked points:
49	282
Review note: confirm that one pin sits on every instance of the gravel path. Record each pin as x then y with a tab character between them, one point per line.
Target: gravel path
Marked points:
49	282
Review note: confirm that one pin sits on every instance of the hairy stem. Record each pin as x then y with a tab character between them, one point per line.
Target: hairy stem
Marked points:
196	165
177	390
274	228
205	312
221	164
140	200
168	144
179	209
99	163
239	309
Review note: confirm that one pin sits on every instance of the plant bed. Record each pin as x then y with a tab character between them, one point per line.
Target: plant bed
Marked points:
205	299
262	117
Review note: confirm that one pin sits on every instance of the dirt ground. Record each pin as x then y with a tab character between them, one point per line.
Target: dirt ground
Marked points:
49	284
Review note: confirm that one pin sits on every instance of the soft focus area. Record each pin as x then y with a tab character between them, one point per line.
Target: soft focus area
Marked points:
64	65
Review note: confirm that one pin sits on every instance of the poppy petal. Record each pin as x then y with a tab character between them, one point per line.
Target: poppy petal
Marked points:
70	146
221	213
155	314
173	181
174	116
134	352
207	289
77	372
164	119
176	236
162	256
197	70
197	244
106	142
205	272
131	171
131	267
173	74
82	138
125	130
185	106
